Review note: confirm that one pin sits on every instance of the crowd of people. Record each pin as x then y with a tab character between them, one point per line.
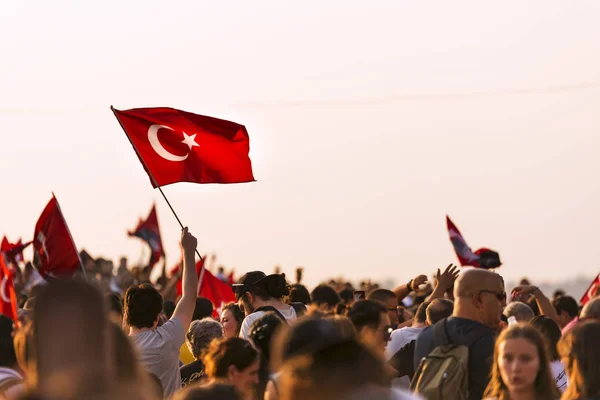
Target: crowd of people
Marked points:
458	336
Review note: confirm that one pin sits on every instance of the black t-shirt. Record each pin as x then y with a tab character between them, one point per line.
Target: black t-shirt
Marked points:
192	372
481	352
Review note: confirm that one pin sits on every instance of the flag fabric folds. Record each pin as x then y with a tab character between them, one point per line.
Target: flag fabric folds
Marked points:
482	258
149	232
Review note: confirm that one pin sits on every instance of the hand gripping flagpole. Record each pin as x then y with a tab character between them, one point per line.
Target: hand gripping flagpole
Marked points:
161	192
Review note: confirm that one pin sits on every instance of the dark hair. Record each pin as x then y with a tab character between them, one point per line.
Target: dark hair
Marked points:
8	358
223	353
143	304
336	371
545	388
366	313
169	308
581	349
262	331
421	314
532	303
567	304
551	332
114	303
203	309
214	391
266	286
347	295
439	309
325	294
381	295
558	293
299	294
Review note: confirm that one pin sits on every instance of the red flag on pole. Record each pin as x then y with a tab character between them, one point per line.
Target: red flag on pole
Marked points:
53	245
13	251
211	287
148	231
482	258
8	297
591	291
178	146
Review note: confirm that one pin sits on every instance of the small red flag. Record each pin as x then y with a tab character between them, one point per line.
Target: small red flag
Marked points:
217	291
178	146
13	251
53	245
8	297
482	258
591	292
148	231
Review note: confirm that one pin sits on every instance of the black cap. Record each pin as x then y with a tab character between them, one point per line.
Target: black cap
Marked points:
247	282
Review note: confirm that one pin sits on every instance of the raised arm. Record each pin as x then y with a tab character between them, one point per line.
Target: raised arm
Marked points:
544	304
185	307
404	290
444	282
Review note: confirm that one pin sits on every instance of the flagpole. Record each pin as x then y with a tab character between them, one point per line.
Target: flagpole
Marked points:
71	236
159	188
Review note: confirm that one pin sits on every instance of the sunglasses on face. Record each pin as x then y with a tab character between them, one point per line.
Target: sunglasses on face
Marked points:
501	296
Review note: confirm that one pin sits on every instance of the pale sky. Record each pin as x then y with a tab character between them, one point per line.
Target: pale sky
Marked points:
368	122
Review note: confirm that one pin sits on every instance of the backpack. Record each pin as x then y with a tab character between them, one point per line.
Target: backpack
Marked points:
298	307
444	373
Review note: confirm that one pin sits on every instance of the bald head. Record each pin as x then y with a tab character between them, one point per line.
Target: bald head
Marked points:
475	280
591	309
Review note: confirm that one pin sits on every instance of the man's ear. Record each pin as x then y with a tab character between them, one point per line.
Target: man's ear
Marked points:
232	372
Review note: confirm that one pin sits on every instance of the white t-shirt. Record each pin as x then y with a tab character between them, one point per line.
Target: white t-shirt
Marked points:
400	338
289	315
159	353
559	375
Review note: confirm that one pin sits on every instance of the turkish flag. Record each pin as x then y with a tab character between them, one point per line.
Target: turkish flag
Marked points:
8	297
13	251
178	146
148	231
217	291
53	245
591	292
482	258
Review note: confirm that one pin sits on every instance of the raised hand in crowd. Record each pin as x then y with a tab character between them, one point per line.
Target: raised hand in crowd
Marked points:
404	290
444	282
543	303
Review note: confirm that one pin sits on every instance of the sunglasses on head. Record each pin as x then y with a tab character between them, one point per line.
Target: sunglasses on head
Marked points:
501	296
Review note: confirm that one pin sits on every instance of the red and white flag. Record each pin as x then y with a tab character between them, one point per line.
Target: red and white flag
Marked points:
148	231
592	291
54	249
8	297
178	146
13	251
211	287
482	258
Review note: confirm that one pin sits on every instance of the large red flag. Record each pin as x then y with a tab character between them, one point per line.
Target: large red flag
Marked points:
178	146
13	251
53	245
482	258
8	297
148	231
591	292
217	291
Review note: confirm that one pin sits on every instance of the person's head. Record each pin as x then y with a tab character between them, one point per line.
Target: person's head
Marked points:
200	334
579	350
421	314
262	331
221	271
521	365
550	330
372	324
115	307
299	294
214	391
345	326
566	308
388	299
324	298
143	305
439	309
168	308
347	295
203	309
479	295
234	361
591	309
255	288
335	372
558	293
521	311
231	320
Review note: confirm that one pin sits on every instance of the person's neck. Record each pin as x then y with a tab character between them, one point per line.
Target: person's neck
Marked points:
419	325
466	313
522	395
134	331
